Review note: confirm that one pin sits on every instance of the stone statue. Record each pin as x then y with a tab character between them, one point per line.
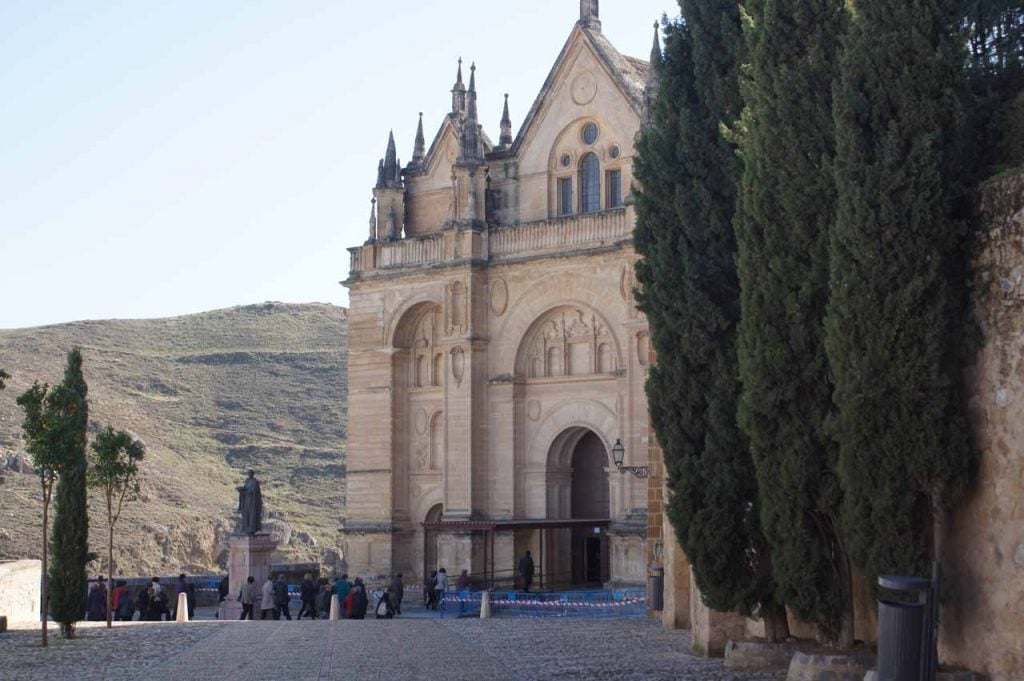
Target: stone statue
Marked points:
250	505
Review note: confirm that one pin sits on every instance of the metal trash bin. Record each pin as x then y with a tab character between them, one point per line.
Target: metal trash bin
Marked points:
656	588
903	630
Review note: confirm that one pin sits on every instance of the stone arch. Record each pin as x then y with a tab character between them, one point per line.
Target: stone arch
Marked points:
568	340
403	321
586	290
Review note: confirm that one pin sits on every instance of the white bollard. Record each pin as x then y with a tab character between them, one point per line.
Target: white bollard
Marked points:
182	615
335	608
485	605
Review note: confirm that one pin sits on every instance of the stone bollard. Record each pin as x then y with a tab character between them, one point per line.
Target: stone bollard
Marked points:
182	612
335	608
485	605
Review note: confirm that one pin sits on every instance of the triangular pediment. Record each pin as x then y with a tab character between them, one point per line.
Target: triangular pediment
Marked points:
624	74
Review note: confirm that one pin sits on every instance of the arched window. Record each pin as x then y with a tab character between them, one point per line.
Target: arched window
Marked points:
590	184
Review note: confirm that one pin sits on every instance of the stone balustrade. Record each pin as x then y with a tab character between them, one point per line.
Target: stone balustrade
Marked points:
531	239
559	234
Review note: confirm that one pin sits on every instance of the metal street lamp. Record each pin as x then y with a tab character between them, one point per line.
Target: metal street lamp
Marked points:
619	455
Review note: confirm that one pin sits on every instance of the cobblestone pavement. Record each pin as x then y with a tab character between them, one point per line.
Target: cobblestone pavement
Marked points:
394	650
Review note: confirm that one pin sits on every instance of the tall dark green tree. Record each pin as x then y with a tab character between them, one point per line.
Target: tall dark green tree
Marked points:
894	326
786	207
70	542
688	174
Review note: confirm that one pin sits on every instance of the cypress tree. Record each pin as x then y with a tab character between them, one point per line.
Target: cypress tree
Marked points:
787	142
689	291
894	323
70	542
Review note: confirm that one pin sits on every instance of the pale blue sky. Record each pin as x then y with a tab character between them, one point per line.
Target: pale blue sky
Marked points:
162	158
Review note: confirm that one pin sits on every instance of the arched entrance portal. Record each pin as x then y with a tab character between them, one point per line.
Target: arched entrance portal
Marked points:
578	490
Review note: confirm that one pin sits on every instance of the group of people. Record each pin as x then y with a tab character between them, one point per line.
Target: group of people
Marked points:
275	601
153	603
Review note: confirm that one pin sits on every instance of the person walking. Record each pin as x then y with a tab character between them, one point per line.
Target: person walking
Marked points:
440	587
267	599
342	587
526	571
323	601
429	586
359	600
96	605
462	583
385	607
180	587
247	597
281	599
142	603
122	602
308	593
398	592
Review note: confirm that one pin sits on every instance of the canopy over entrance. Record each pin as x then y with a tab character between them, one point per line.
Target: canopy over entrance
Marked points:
489	527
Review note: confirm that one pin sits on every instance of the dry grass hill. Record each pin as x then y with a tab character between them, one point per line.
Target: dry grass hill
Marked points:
212	395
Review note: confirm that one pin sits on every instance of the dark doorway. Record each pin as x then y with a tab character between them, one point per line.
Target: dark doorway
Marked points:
590	499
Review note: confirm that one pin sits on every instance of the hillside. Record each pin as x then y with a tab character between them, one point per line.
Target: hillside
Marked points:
212	395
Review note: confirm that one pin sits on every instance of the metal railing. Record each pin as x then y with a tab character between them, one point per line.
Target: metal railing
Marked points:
570	604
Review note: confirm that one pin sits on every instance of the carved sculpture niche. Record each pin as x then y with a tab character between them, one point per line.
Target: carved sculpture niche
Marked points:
570	342
458	309
426	356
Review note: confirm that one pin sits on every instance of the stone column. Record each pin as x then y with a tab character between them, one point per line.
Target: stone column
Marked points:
250	556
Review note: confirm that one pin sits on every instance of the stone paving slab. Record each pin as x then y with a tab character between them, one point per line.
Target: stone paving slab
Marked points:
388	650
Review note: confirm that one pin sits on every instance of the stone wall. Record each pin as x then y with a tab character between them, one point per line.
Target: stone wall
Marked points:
983	625
19	590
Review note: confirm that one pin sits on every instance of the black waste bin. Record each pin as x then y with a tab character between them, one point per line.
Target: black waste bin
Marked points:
656	588
902	630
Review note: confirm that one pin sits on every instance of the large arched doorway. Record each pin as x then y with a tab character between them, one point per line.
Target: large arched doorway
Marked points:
578	490
589	500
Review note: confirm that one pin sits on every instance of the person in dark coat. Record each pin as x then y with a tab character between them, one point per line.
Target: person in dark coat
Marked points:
397	592
142	603
359	600
190	598
97	603
180	587
323	601
429	590
281	599
526	571
385	608
307	592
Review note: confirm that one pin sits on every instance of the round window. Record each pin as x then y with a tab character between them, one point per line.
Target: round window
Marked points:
566	160
590	133
614	153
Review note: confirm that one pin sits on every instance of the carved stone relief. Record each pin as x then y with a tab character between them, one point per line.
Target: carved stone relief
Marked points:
458	364
584	88
499	297
570	342
458	309
421	421
533	410
643	348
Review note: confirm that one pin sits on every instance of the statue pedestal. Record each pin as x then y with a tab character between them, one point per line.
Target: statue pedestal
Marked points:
249	556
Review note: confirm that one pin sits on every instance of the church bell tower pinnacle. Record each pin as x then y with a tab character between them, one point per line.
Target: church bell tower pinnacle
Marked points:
590	16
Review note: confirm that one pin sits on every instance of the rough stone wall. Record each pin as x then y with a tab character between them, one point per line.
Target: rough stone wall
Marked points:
19	590
983	625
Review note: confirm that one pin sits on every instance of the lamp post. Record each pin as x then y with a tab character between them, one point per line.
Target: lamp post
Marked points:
619	454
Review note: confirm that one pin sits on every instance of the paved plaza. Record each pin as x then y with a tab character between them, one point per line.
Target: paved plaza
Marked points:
438	650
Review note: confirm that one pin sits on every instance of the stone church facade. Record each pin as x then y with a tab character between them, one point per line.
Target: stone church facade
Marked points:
496	355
